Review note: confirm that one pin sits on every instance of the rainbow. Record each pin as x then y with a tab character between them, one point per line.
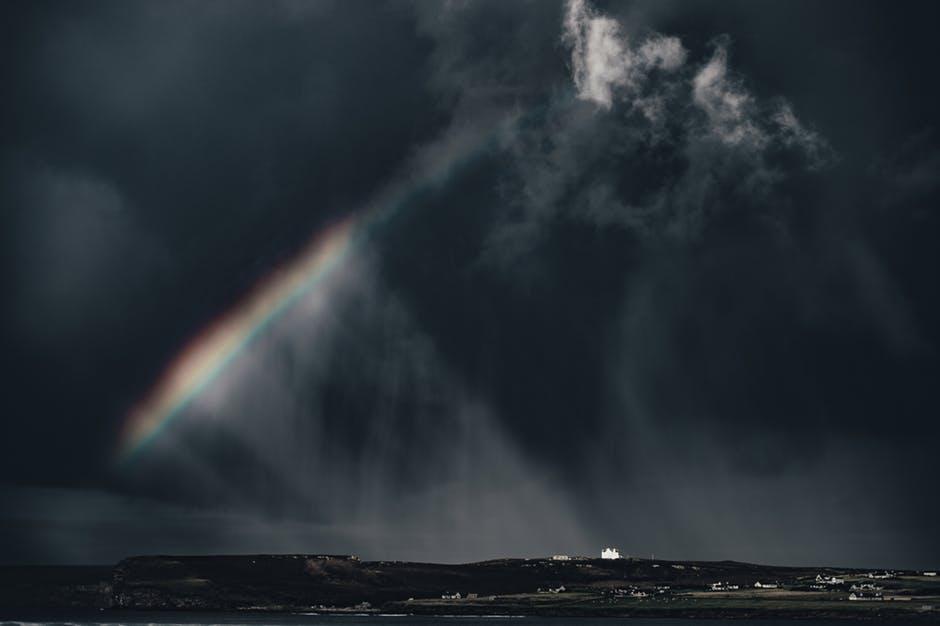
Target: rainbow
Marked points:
208	354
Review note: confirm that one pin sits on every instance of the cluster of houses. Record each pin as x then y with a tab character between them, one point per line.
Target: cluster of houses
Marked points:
827	581
862	595
760	585
636	592
629	592
720	586
456	596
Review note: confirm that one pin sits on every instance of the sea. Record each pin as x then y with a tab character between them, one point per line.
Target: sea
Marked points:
111	618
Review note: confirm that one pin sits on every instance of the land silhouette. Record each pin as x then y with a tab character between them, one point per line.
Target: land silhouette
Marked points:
555	586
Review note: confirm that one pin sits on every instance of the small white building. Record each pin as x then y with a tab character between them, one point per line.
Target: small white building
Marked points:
760	585
930	573
829	580
561	557
865	596
610	553
724	586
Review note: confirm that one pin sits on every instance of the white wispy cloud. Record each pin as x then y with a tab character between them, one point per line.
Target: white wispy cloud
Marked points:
729	108
793	133
603	60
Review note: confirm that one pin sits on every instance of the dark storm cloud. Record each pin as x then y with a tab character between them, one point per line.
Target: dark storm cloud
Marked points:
683	301
764	332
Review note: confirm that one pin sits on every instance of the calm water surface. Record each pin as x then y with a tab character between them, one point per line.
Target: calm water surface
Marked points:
115	618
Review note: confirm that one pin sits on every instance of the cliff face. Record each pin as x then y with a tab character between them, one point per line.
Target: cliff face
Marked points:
304	582
299	581
238	582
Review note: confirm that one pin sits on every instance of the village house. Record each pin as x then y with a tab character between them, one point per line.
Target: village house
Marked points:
632	591
720	586
864	596
830	580
760	585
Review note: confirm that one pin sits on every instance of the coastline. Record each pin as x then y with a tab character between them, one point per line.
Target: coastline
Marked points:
338	585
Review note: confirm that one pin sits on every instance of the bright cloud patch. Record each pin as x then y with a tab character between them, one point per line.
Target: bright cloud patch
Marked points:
602	59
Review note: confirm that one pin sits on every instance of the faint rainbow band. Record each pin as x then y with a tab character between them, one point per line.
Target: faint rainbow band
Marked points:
207	354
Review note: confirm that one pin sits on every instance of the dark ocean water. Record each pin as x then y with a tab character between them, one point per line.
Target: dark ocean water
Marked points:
114	618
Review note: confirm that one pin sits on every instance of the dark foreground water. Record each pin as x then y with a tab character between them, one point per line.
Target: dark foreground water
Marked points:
115	618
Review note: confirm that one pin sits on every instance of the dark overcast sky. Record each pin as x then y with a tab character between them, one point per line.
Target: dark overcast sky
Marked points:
665	278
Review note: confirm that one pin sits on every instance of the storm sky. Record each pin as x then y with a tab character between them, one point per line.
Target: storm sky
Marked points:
658	275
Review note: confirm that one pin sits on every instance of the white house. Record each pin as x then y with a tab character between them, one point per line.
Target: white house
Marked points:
864	596
930	573
561	557
760	585
610	553
829	580
720	586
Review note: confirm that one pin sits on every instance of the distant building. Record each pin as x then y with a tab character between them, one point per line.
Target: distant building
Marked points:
720	586
450	596
329	557
831	580
610	553
865	596
930	573
760	585
561	557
